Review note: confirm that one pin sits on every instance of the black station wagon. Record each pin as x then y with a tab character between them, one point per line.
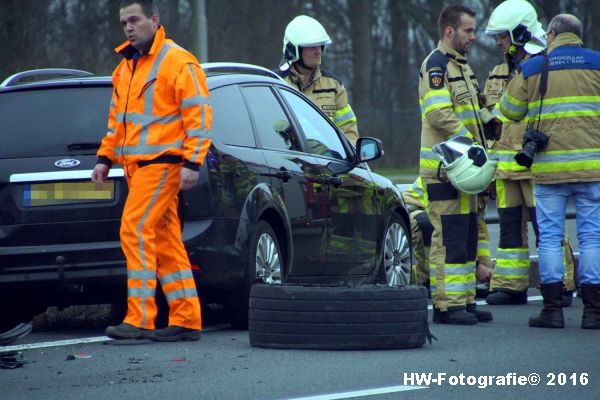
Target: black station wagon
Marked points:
282	196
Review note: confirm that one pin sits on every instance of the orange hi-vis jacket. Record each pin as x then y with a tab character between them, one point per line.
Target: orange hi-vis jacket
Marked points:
160	106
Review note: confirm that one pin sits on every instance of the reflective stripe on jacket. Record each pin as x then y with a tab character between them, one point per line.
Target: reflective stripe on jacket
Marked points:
448	96
160	105
511	140
570	113
330	95
415	197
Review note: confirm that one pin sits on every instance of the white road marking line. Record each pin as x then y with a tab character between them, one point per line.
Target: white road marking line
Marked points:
69	342
483	303
57	343
359	393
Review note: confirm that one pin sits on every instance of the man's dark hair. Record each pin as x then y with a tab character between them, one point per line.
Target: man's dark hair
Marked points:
450	16
566	23
149	8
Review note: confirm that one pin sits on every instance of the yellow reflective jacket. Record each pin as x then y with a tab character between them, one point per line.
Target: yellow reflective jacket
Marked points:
328	93
511	139
160	106
415	197
570	114
449	100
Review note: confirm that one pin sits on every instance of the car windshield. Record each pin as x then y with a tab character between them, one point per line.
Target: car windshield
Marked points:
44	122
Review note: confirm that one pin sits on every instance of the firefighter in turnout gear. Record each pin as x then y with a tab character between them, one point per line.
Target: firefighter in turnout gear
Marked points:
558	94
159	130
519	35
304	44
448	96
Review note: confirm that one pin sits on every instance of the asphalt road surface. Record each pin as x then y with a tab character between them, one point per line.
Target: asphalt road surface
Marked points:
71	359
496	360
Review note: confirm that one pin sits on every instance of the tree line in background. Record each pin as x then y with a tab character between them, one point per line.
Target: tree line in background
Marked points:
377	49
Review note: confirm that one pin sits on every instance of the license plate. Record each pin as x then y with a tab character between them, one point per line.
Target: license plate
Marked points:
58	193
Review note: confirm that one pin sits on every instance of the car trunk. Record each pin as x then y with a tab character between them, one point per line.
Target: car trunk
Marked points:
49	141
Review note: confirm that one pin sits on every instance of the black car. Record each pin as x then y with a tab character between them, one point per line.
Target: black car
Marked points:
282	196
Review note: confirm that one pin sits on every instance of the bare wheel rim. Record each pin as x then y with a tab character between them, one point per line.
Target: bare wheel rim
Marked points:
397	258
268	264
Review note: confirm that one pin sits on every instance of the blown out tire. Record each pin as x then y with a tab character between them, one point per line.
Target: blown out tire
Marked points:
338	318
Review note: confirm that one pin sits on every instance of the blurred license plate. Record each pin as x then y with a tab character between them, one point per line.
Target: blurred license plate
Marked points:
57	193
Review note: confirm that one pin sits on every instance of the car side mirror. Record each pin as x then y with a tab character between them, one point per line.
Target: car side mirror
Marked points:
368	149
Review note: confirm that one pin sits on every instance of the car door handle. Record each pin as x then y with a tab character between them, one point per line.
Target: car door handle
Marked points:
334	180
283	174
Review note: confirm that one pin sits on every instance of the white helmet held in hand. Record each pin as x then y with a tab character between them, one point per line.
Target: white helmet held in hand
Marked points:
302	31
466	164
519	19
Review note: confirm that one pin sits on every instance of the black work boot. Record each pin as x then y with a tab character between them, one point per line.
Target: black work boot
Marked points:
551	315
590	295
567	298
454	316
501	297
173	333
126	331
482	316
482	290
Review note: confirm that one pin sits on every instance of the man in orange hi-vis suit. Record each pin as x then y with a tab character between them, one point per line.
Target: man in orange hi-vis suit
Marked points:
159	130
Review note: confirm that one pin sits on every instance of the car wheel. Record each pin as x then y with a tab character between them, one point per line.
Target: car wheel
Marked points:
267	255
264	265
338	318
397	261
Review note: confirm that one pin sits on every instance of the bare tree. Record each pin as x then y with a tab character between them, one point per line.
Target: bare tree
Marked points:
23	43
362	52
593	19
248	31
378	45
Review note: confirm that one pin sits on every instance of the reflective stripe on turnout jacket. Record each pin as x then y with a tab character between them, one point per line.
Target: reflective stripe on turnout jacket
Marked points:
330	95
570	114
448	96
511	140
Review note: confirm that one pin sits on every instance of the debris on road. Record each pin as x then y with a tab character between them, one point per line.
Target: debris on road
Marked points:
12	361
15	333
79	356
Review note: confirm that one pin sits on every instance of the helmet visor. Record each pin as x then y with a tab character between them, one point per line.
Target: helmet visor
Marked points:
453	149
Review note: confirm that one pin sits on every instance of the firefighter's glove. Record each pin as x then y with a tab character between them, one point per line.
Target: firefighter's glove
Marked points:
492	127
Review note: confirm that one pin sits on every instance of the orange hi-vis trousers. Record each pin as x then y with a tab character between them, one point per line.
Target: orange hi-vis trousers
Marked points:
151	241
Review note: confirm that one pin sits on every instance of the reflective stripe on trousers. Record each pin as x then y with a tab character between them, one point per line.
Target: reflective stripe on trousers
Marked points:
453	215
151	241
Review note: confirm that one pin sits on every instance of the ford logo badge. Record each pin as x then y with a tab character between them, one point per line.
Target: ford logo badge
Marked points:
67	163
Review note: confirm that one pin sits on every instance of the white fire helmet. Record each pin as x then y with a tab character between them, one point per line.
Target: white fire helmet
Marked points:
302	31
466	164
519	19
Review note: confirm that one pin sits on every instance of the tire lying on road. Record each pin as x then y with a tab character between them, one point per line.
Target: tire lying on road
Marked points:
337	318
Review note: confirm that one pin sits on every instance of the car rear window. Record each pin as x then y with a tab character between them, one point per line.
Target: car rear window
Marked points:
43	122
